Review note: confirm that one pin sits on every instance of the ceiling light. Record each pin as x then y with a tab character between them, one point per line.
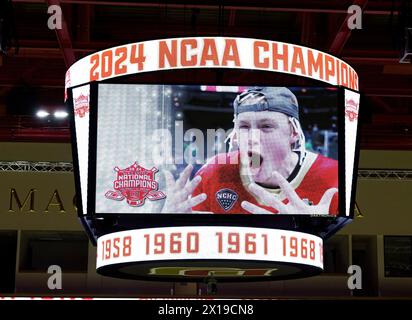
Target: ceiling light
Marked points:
60	114
42	114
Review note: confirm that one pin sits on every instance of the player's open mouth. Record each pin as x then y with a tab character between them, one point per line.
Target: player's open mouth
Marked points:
255	159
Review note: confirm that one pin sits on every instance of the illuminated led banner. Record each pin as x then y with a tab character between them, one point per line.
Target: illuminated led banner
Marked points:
157	245
352	101
212	52
81	110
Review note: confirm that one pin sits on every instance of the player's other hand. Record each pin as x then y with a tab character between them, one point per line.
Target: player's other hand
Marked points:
179	193
295	205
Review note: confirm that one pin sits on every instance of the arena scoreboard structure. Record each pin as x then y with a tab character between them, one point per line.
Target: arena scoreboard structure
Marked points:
231	158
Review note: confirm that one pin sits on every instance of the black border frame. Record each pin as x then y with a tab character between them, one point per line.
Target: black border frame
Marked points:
91	172
93	138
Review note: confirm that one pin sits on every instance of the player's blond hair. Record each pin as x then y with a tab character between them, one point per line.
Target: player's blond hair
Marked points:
253	98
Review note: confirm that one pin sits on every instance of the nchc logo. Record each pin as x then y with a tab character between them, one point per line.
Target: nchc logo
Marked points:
226	198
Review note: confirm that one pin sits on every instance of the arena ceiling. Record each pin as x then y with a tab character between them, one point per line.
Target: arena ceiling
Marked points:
36	62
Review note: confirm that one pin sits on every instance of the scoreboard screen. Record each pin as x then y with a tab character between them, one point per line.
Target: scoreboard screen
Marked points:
182	180
194	149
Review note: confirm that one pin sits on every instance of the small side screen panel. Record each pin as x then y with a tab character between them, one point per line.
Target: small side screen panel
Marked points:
81	104
351	126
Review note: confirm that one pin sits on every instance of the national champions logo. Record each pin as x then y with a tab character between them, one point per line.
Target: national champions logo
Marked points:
135	183
81	105
351	109
68	83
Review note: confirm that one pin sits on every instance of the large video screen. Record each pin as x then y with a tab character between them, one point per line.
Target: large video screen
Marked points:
196	149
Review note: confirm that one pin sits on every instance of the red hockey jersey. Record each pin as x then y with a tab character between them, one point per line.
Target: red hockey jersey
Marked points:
224	185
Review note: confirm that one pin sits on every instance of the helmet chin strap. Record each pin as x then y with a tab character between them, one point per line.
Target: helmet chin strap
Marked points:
299	145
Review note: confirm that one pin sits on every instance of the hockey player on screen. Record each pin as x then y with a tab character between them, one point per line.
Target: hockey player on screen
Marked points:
272	171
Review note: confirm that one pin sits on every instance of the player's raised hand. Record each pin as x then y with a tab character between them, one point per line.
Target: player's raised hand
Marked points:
179	193
295	205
